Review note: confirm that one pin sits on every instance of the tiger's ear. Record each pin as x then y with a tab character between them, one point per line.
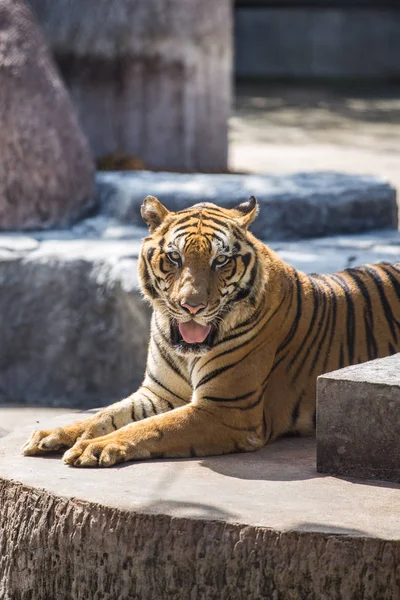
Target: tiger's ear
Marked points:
153	212
247	212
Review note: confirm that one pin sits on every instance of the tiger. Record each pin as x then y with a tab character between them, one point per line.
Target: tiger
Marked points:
237	340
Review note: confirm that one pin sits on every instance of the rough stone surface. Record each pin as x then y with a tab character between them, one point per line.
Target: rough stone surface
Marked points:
150	80
358	420
46	172
293	206
74	329
252	526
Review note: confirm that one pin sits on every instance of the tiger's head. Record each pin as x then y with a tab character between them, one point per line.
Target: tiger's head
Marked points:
199	268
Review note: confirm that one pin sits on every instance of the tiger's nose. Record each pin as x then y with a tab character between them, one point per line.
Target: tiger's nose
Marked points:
192	307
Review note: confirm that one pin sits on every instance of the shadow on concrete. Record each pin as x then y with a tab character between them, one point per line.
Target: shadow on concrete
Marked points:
197	510
370	482
287	459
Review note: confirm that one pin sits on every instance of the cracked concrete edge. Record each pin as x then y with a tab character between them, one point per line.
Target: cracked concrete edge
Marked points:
73	549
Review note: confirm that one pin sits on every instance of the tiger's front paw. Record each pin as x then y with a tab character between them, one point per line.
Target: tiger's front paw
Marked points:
51	440
100	452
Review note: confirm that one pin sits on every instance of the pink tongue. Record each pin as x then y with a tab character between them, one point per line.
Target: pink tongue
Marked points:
193	333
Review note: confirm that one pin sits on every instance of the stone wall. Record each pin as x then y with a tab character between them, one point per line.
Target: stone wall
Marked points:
307	42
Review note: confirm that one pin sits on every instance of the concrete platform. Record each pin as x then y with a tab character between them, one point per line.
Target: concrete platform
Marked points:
16	417
358	412
252	526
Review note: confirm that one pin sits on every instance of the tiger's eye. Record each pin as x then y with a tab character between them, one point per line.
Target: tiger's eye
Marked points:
174	256
221	260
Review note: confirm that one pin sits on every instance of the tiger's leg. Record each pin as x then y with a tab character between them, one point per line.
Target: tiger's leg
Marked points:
144	403
224	416
197	429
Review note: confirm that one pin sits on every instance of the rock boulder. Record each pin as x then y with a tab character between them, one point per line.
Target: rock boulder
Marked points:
46	172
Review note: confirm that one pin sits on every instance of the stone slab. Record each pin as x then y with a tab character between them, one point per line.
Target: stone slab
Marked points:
247	526
292	206
358	420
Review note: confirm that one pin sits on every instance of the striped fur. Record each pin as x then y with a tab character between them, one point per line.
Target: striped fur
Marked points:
273	331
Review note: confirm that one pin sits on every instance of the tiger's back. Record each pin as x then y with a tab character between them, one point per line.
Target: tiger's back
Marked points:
336	320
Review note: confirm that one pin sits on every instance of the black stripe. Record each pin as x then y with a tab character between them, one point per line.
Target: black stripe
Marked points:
183	228
169	404
376	278
193	215
164	387
316	298
296	412
341	356
295	322
350	321
151	402
168	360
233	271
249	288
221	370
372	348
250	323
234	399
279	361
150	253
315	358
230	350
214	220
161	266
333	315
395	283
265	425
246	258
194	363
146	281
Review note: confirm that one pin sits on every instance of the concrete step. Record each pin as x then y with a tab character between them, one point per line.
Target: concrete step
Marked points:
295	206
358	412
256	526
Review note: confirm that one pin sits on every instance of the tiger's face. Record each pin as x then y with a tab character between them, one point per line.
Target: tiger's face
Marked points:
195	267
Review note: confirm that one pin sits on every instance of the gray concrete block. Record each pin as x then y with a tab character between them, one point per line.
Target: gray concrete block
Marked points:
311	42
292	206
358	417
